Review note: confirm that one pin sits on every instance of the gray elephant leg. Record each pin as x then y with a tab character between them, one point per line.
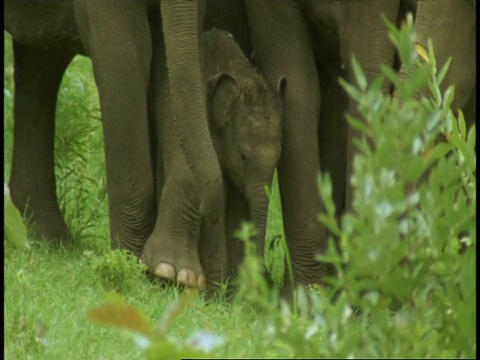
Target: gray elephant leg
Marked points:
332	131
282	43
32	183
364	34
120	48
171	252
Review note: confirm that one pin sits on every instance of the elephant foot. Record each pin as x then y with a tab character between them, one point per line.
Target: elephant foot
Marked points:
175	262
52	229
44	218
53	233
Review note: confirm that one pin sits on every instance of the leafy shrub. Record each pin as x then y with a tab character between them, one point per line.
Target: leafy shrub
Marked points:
414	203
117	270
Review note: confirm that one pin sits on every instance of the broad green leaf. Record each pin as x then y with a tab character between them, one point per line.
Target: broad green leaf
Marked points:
15	229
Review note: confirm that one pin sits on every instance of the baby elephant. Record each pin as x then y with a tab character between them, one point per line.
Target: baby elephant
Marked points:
244	121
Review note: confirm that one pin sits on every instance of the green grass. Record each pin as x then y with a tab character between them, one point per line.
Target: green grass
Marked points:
58	288
49	291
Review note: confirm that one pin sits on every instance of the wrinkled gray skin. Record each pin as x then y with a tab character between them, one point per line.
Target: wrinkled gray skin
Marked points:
123	40
244	121
310	43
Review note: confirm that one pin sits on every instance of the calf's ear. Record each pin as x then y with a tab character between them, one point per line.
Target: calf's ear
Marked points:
223	90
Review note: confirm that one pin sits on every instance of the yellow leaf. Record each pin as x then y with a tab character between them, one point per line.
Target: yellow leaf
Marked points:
119	314
422	52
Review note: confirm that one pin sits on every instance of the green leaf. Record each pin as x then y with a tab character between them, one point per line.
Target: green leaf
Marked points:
417	80
391	75
330	224
375	88
359	74
443	71
448	97
357	124
471	137
325	188
15	229
462	127
351	90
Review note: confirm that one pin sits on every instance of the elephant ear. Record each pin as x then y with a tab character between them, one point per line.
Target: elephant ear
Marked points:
223	90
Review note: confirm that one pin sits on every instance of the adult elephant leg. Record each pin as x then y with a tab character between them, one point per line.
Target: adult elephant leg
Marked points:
364	34
182	27
37	78
281	41
332	131
171	252
117	37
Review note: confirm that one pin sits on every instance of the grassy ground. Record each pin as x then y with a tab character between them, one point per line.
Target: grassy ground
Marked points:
48	291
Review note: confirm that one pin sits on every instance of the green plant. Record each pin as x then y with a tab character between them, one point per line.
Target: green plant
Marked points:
276	249
414	199
117	270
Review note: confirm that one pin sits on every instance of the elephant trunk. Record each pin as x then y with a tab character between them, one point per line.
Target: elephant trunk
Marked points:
182	24
258	205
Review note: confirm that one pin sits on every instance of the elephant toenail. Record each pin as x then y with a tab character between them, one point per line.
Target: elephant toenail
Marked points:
202	282
165	271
